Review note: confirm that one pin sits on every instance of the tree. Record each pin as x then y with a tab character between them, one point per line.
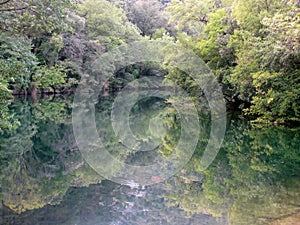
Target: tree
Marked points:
49	78
147	15
251	46
267	68
35	18
106	24
191	16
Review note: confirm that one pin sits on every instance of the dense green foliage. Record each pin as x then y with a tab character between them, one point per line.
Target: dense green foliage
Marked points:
47	46
251	46
253	49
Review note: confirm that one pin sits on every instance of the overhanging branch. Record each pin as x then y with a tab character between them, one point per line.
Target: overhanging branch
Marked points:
7	1
13	9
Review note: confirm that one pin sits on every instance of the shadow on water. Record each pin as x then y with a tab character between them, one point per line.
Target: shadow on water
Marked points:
45	180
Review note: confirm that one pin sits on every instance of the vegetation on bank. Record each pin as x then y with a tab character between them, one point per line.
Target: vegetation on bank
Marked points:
252	46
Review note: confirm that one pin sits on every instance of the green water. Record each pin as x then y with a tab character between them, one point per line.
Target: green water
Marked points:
44	179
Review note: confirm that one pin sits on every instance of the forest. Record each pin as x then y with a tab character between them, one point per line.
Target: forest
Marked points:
252	47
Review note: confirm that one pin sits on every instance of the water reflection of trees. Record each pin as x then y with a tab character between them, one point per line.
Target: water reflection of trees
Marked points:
253	180
39	160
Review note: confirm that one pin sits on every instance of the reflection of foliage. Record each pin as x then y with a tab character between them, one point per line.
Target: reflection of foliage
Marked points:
200	193
281	145
191	198
55	110
268	151
171	138
253	178
39	160
109	203
266	202
142	114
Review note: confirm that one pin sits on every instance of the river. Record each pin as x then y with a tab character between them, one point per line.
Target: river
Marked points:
45	180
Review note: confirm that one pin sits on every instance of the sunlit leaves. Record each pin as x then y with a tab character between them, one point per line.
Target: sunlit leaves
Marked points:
277	97
53	77
106	23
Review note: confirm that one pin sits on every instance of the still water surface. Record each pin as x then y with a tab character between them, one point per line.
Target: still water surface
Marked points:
44	179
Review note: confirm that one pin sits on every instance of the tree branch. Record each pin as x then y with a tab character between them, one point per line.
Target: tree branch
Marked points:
7	1
203	20
13	9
